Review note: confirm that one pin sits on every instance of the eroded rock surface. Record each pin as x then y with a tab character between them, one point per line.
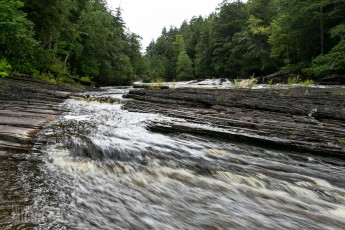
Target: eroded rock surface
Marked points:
305	119
26	105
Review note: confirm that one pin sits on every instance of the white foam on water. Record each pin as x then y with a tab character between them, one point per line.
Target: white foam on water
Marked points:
163	181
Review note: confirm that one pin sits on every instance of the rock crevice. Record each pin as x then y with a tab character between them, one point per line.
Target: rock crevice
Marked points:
304	119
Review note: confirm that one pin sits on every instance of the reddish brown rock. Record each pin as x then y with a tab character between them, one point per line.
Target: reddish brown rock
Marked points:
26	105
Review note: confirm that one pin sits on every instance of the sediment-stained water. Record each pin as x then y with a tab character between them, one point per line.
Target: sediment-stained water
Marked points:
103	169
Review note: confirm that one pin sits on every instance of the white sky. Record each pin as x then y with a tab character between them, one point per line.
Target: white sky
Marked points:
148	17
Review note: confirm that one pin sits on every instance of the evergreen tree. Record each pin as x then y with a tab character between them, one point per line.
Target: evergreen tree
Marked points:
54	31
250	50
184	65
230	20
85	38
334	61
165	49
302	29
204	49
156	69
17	43
133	51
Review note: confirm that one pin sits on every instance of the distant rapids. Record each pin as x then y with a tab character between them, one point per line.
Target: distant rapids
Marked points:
104	169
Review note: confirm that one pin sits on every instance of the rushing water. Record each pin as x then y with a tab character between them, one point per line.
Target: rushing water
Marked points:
104	169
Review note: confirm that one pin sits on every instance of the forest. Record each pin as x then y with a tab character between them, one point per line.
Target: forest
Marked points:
255	38
70	41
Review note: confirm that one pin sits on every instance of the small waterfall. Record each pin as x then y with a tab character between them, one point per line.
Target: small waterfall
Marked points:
104	169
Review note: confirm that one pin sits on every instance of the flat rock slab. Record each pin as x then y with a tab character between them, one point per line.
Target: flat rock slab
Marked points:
22	121
303	119
26	104
9	145
19	134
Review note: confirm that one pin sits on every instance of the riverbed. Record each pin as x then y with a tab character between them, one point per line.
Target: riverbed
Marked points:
103	168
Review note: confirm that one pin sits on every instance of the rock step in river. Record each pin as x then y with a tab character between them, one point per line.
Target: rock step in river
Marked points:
104	168
305	119
26	104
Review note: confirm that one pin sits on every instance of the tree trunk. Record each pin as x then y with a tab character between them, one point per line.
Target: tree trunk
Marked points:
321	28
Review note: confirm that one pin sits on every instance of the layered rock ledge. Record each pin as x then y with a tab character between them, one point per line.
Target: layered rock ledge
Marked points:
26	104
303	119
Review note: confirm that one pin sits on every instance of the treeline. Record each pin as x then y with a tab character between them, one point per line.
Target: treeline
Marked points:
258	37
83	40
67	41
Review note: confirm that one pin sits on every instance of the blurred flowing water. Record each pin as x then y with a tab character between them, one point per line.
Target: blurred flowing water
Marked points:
103	169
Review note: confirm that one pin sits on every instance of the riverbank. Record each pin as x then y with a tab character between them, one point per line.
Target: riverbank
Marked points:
26	104
102	163
300	118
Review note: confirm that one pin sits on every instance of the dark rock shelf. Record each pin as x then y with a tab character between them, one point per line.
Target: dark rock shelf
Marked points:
303	119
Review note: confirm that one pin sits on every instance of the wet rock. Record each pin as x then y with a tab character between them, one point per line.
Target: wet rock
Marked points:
26	105
305	119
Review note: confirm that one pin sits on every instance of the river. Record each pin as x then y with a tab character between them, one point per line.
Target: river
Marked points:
104	169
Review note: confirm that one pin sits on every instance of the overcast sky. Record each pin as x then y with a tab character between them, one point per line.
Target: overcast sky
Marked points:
148	17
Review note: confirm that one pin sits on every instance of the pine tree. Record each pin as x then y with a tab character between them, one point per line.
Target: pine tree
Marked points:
184	65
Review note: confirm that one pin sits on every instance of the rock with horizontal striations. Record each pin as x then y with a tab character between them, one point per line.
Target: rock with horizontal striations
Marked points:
304	119
26	104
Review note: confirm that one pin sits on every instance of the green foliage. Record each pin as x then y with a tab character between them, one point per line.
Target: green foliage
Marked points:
184	66
65	80
245	83
156	69
307	83
203	66
51	78
294	80
236	84
257	36
4	68
252	82
334	61
103	46
250	50
157	84
161	56
229	21
86	79
67	38
48	77
342	141
302	31
17	44
136	58
56	66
